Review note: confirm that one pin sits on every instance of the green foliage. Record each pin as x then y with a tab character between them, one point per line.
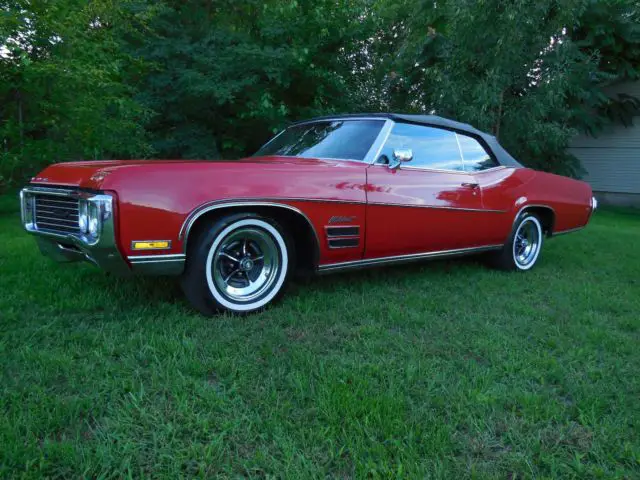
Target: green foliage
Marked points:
225	77
63	87
204	79
517	69
609	32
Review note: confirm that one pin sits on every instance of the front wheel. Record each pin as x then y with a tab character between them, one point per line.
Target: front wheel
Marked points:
240	264
522	250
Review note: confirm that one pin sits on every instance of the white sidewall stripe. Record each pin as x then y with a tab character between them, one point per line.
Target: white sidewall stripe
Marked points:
535	258
244	307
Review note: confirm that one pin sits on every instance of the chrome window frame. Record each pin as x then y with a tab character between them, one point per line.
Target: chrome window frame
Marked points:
381	140
442	170
490	153
439	170
430	169
464	169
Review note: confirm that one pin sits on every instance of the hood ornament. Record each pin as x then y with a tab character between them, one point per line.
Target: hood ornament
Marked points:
99	176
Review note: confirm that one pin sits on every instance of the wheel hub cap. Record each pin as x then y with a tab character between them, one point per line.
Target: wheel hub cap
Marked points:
526	243
246	264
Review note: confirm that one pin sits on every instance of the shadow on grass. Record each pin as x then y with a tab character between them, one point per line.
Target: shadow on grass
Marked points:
138	292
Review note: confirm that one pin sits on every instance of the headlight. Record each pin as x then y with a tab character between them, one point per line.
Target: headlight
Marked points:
94	219
83	217
90	215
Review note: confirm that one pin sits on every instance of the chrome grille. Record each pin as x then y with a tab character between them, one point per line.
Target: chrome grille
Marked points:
56	213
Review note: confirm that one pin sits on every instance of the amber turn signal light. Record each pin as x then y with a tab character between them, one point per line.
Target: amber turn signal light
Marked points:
151	245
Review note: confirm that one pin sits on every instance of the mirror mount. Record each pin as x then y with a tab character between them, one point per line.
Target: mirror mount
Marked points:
400	156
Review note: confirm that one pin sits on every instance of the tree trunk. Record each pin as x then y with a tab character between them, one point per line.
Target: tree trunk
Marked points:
20	120
496	128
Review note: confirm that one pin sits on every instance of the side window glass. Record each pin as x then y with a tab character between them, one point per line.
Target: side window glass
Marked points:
433	148
474	155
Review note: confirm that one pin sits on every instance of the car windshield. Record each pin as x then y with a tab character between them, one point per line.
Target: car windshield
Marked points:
334	139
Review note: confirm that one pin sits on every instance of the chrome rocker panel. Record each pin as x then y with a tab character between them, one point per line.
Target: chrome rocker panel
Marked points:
399	259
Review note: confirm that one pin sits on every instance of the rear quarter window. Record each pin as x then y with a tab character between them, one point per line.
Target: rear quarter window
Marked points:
475	157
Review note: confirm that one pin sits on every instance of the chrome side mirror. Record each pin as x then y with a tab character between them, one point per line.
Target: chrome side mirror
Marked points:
401	156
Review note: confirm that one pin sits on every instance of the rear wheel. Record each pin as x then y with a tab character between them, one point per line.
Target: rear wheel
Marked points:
522	250
240	264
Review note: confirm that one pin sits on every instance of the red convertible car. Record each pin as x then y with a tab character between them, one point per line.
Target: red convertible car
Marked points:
325	195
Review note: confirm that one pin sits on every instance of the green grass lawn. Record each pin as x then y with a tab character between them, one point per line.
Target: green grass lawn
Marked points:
444	370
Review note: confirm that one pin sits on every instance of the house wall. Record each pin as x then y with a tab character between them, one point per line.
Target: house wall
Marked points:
612	160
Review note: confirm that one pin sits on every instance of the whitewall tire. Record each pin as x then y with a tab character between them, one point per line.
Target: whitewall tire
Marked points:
240	265
522	250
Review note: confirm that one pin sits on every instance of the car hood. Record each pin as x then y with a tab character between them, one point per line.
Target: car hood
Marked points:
102	174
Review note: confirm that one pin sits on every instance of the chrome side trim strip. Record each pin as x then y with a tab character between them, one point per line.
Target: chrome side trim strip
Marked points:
372	262
571	230
171	264
294	199
440	170
383	204
326	159
273	202
173	257
462	172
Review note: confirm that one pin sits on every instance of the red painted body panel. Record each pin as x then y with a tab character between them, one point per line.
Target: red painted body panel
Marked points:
413	210
399	212
156	197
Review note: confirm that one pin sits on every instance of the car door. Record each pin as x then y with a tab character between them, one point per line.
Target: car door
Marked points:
497	187
428	204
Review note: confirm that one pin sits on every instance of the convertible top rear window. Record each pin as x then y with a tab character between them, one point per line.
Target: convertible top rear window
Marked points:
334	139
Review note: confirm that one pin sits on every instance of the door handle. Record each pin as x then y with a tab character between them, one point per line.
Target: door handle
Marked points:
471	185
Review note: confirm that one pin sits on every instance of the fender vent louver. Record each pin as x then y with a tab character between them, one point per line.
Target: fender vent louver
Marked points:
344	236
333	232
343	242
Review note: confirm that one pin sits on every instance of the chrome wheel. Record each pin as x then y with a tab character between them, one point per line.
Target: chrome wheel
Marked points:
246	265
527	243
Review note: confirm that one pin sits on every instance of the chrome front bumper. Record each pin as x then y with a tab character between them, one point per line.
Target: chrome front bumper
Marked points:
100	250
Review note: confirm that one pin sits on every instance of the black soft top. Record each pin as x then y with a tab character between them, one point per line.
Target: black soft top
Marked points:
503	157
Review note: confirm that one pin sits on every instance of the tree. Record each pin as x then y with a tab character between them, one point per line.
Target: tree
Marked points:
529	72
209	79
227	74
609	31
63	88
